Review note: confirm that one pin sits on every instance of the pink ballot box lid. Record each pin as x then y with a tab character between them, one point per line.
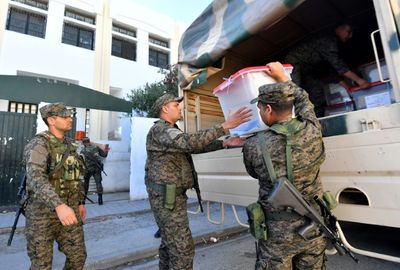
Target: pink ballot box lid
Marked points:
239	90
244	71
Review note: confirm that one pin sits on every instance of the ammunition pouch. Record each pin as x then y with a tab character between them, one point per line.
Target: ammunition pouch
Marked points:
256	219
330	200
170	196
169	191
64	188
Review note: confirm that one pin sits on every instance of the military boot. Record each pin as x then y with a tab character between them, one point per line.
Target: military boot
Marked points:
100	199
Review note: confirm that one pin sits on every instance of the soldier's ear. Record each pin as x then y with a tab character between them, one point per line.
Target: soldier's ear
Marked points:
51	121
164	109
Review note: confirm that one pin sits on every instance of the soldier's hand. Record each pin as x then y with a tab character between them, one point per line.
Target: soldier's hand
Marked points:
239	117
363	84
66	215
82	212
234	141
277	71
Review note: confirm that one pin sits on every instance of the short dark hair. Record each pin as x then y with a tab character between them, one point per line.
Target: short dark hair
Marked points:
280	107
343	23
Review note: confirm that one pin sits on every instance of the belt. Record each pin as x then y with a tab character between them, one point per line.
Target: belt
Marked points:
160	188
282	215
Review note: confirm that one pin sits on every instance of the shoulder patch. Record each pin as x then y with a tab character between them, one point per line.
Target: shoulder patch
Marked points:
173	132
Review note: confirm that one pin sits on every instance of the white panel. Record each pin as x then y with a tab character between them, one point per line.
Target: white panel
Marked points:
140	128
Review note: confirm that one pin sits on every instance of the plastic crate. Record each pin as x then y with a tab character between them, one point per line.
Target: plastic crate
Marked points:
239	90
380	94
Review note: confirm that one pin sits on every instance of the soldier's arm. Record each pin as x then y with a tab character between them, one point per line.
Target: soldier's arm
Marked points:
248	158
198	142
101	152
36	170
329	51
303	106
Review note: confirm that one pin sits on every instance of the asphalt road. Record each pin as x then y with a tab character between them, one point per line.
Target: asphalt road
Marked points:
238	253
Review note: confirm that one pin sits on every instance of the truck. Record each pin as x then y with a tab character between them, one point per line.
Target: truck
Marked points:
362	143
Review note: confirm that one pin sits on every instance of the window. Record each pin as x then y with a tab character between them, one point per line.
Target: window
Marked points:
20	107
34	3
78	36
158	42
79	16
123	42
124	31
124	49
158	58
87	121
26	22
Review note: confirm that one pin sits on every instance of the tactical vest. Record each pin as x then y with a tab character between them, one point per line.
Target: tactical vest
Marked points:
65	178
288	129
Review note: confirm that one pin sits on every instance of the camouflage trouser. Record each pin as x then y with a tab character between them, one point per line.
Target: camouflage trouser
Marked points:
97	178
177	248
43	228
286	250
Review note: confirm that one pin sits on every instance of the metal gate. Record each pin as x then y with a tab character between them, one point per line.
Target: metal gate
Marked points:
16	129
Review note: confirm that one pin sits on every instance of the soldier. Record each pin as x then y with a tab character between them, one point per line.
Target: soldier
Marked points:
94	166
169	172
284	248
55	209
308	56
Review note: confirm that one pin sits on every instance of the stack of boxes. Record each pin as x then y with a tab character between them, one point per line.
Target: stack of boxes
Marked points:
340	99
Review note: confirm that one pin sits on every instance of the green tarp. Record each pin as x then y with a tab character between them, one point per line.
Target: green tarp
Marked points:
222	25
36	90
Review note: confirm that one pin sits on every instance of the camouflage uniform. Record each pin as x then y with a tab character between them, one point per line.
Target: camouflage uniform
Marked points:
284	246
307	58
92	155
169	162
47	191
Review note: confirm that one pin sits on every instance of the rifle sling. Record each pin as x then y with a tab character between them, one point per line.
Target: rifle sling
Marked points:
288	130
266	157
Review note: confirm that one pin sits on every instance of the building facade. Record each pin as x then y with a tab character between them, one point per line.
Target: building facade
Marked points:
109	46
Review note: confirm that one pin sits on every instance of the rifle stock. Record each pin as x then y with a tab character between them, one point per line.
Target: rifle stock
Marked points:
286	195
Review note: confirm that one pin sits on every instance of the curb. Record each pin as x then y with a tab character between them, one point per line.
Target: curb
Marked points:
151	253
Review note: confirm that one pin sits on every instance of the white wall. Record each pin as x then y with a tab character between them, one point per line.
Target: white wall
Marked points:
117	163
140	128
3	105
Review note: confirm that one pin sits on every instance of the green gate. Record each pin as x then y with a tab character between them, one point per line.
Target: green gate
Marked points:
16	129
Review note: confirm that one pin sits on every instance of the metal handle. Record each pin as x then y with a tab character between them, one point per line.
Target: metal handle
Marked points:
378	64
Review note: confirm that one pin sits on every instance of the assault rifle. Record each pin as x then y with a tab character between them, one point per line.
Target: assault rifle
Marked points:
22	200
195	181
285	194
99	165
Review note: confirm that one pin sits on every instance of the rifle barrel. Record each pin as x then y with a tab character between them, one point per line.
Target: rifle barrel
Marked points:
14	226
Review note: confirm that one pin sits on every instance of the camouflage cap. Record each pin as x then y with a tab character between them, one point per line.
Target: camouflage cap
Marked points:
163	100
55	109
274	93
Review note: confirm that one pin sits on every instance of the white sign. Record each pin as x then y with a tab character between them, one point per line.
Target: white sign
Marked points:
377	100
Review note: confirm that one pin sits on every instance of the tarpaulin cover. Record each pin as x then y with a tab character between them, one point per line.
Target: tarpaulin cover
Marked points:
222	25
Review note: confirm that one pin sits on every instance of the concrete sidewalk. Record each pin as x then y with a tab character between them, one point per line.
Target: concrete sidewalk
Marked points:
118	232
